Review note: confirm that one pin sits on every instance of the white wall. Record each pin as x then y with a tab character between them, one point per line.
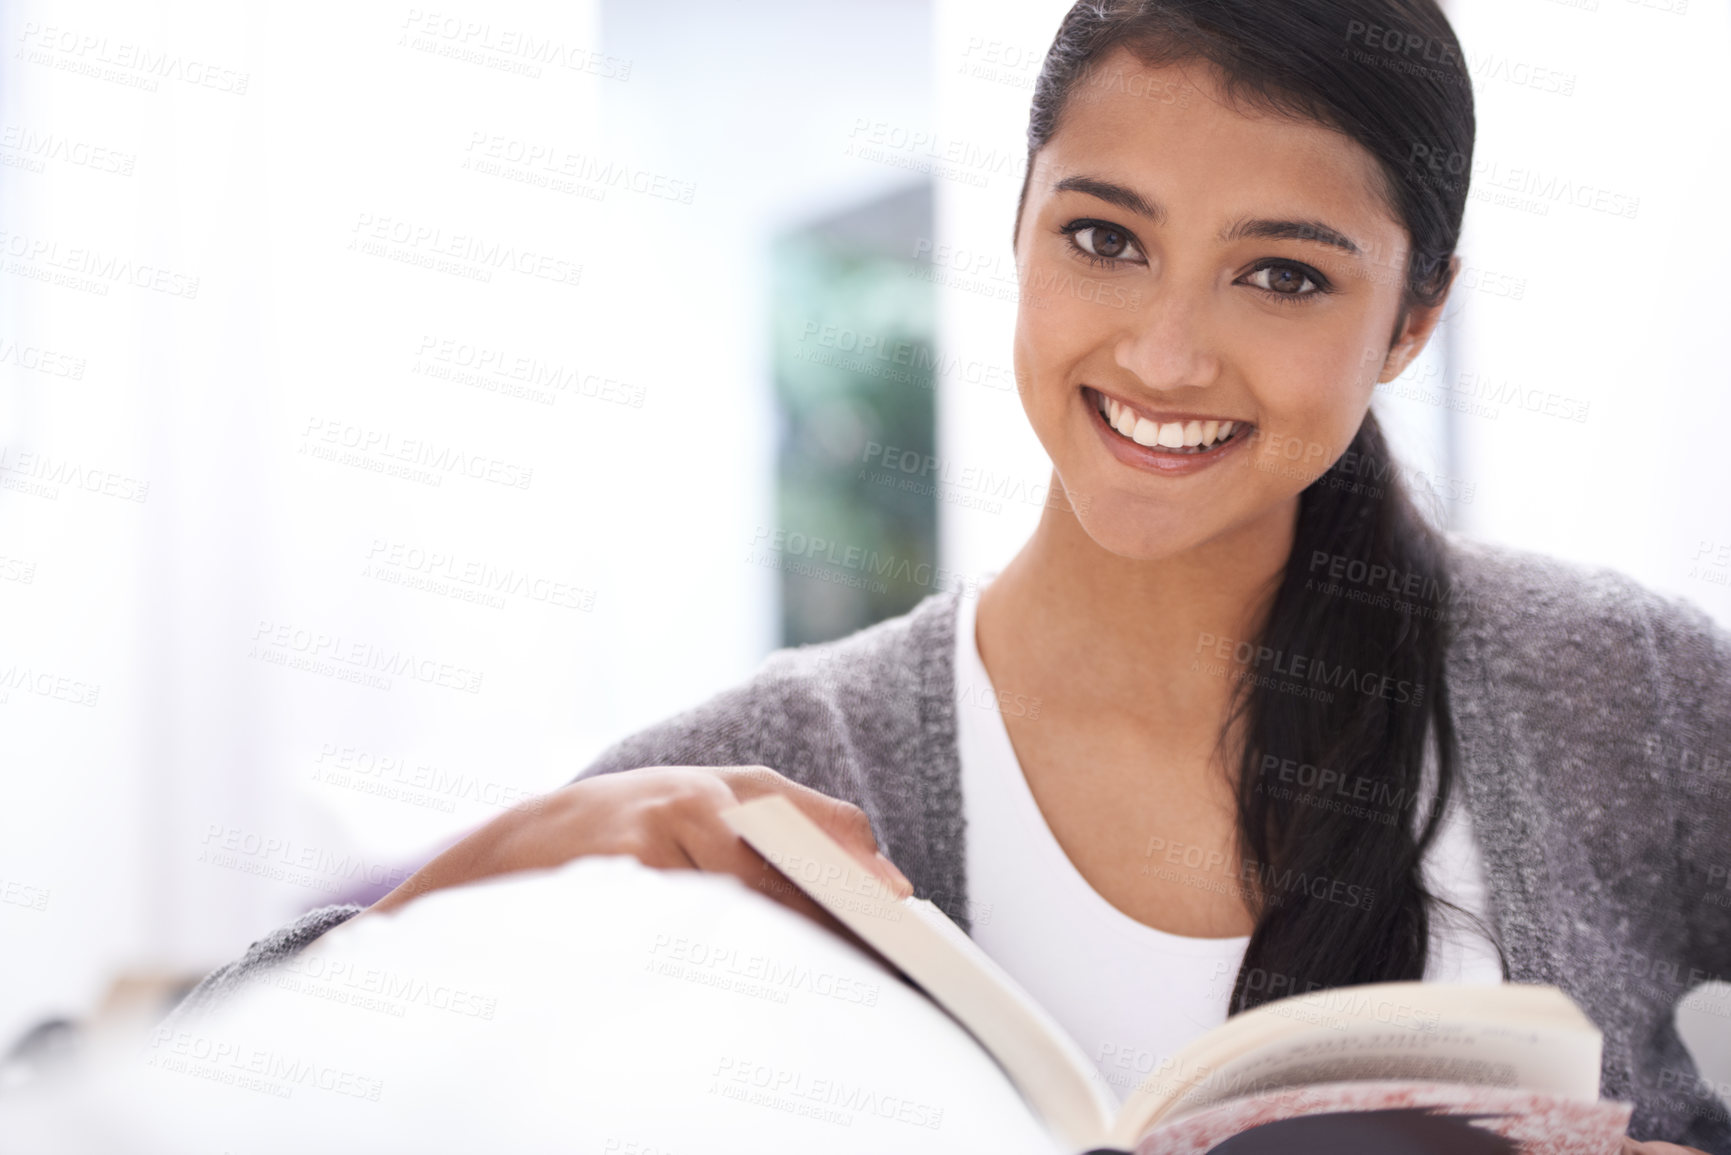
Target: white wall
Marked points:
211	790
1585	111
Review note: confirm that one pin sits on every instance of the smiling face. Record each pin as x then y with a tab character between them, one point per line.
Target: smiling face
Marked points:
1208	297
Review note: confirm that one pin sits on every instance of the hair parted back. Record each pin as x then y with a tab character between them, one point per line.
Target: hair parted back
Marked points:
1389	74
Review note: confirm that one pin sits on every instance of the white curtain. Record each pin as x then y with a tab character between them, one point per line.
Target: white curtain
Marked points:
370	457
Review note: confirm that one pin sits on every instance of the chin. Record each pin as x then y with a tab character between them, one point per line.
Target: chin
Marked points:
1138	530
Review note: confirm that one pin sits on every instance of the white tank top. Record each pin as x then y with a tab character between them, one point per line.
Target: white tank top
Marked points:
1129	994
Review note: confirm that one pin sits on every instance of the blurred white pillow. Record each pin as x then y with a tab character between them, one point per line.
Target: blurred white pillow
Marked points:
602	1008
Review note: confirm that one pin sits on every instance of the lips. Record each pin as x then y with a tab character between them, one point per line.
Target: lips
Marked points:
1169	444
1183	434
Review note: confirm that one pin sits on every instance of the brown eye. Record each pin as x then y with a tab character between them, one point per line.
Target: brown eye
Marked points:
1104	242
1108	242
1287	280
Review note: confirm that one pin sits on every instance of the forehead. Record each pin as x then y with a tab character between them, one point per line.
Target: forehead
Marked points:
1171	133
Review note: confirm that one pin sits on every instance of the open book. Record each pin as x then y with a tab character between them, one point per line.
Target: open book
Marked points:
1387	1067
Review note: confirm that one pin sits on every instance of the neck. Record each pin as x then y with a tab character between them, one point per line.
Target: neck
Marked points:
1090	625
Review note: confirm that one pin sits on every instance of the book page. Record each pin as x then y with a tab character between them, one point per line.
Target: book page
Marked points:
1490	1054
1045	1064
1512	1035
1314	1118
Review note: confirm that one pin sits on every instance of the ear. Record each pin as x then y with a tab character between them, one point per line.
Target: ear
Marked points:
1413	334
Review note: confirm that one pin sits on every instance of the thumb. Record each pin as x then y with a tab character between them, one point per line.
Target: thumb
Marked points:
842	821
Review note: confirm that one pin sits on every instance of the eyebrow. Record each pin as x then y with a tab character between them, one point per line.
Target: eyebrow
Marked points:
1133	201
1291	231
1114	194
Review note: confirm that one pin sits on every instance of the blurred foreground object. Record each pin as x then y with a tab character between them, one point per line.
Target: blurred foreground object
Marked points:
603	1006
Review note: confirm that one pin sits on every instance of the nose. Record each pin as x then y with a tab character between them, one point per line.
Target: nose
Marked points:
1166	341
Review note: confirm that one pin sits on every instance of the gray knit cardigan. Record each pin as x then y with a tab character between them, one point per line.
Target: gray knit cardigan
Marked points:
1593	725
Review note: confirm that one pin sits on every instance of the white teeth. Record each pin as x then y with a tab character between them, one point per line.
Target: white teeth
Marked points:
1188	435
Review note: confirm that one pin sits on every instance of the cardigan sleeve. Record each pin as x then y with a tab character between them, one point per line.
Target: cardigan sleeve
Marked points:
1691	746
747	724
284	942
849	718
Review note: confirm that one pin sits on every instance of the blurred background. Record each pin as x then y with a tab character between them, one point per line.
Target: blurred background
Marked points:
398	405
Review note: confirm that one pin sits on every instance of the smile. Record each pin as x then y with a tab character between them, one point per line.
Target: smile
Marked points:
1182	435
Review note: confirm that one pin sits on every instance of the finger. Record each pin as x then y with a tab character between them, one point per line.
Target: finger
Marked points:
716	848
665	851
843	821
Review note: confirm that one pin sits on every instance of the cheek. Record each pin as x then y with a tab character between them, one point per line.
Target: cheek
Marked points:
1312	396
1049	340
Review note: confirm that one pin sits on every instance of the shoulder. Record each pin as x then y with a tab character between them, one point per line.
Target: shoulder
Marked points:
894	652
1584	653
1531	602
810	712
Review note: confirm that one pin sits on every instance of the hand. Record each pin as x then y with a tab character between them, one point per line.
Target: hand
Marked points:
1631	1147
664	816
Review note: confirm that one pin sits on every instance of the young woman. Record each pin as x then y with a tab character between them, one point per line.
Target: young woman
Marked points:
1287	736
